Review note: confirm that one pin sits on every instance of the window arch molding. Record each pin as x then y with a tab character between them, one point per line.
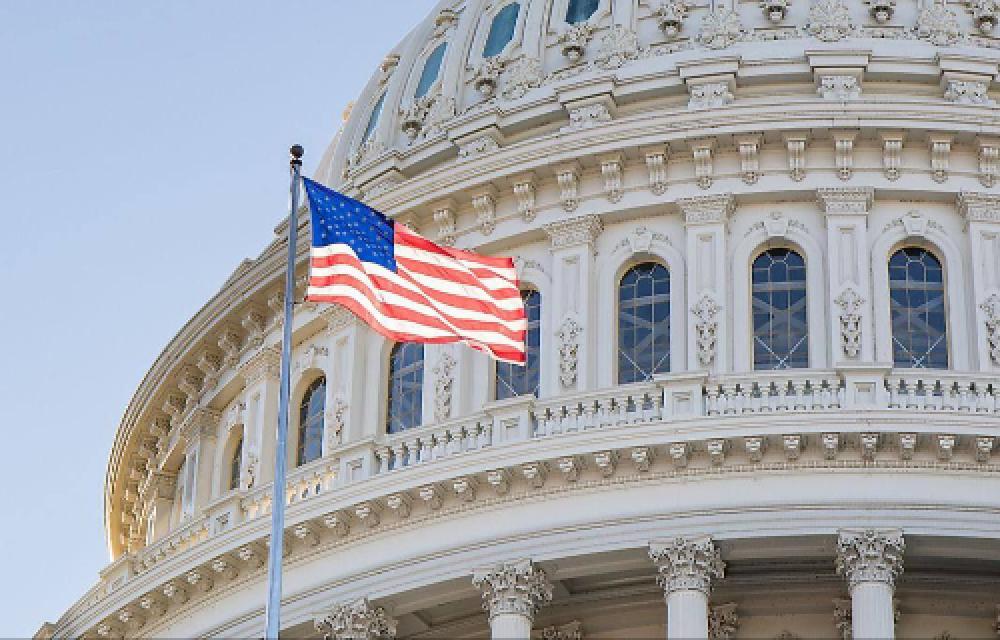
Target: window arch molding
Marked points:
300	386
485	24
611	270
235	434
746	251
936	241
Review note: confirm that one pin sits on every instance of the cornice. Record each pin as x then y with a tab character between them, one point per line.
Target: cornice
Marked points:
979	207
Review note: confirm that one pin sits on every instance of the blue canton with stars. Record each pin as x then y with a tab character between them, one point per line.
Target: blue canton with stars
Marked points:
337	219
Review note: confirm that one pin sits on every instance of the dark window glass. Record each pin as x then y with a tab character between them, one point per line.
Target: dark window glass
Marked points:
580	10
780	330
515	380
311	422
406	382
643	323
501	30
373	120
234	465
432	67
916	308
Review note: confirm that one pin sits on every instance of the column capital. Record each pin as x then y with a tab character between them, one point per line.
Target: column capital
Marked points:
262	365
517	587
355	620
575	231
686	564
338	317
707	209
976	206
870	555
845	200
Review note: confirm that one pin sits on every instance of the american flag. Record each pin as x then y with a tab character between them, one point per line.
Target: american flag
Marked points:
408	288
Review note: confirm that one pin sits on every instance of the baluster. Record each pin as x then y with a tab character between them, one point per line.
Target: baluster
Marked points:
729	397
746	397
711	399
656	398
982	398
910	388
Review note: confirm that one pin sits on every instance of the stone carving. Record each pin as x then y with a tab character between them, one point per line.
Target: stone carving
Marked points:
775	10
641	239
445	218
749	148
892	149
991	315
487	75
425	116
568	177
611	171
850	321
966	92
940	157
656	165
587	116
989	162
686	564
842	618
520	75
445	21
830	20
573	41
336	417
706	310
722	621
569	631
444	372
720	29
796	149
249	476
701	152
938	24
357	620
524	191
517	587
870	556
843	147
881	10
984	14
839	87
670	17
709	95
486	211
569	346
618	46
476	147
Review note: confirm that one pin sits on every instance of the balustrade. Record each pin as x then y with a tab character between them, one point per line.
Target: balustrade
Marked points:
770	391
925	390
415	446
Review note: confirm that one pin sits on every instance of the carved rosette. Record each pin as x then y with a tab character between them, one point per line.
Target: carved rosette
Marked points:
687	564
720	29
706	311
991	315
569	346
357	620
513	588
870	556
850	321
830	20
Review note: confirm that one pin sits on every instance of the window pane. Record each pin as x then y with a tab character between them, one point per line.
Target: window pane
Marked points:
778	299
311	422
373	120
501	30
916	309
643	323
515	380
406	382
432	67
234	465
580	10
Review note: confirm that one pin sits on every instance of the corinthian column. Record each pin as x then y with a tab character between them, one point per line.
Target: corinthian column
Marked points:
871	560
686	568
357	620
512	593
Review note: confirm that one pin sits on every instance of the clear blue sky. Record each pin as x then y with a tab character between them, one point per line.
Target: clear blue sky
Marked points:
143	154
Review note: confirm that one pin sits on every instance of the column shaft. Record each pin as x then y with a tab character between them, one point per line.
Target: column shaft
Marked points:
872	611
510	626
687	614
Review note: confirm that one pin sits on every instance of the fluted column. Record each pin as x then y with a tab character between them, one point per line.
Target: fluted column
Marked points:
686	568
512	594
871	560
356	620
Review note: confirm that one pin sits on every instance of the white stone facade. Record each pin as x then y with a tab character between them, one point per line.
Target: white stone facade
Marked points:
713	500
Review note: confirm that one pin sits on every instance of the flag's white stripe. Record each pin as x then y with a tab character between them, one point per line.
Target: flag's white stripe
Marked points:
440	308
416	328
509	276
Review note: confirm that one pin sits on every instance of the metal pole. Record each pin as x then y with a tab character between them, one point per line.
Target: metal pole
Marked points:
272	611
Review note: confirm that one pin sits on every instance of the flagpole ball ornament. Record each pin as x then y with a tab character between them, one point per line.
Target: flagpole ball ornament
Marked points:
296	150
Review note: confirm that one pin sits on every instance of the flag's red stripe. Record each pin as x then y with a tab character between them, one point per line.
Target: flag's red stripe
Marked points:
405	236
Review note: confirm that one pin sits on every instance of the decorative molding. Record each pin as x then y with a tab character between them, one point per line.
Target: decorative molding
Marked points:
710	95
569	346
618	46
513	588
706	311
520	75
686	564
524	192
722	621
574	231
991	317
612	167
775	10
573	41
485	205
701	150
892	149
938	24
830	20
979	207
940	146
870	555
444	382
850	304
989	161
670	17
843	147
263	365
570	631
656	166
568	177
586	117
795	148
840	88
356	620
968	92
881	11
720	29
845	200
707	209
444	216
477	146
749	150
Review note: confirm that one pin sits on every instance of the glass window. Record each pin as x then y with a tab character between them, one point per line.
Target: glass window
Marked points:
235	464
406	383
581	10
311	422
501	30
373	120
515	380
917	311
643	323
780	331
432	67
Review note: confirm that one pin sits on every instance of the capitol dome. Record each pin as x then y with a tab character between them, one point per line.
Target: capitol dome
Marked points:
759	245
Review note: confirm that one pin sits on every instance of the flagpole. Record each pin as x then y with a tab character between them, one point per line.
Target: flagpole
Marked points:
272	611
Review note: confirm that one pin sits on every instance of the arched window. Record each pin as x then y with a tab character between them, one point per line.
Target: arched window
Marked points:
311	422
235	463
373	119
432	67
643	322
406	385
501	30
515	380
780	331
917	310
580	10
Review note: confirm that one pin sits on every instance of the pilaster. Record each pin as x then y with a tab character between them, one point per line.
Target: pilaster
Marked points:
344	419
512	594
261	376
356	620
851	332
575	306
706	221
982	216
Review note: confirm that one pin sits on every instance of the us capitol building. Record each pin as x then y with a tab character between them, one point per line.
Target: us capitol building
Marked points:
759	245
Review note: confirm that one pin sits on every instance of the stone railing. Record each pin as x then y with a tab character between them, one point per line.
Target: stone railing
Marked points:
303	483
923	390
190	534
764	392
432	442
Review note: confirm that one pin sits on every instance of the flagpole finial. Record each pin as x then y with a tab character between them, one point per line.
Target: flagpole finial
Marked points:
296	151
